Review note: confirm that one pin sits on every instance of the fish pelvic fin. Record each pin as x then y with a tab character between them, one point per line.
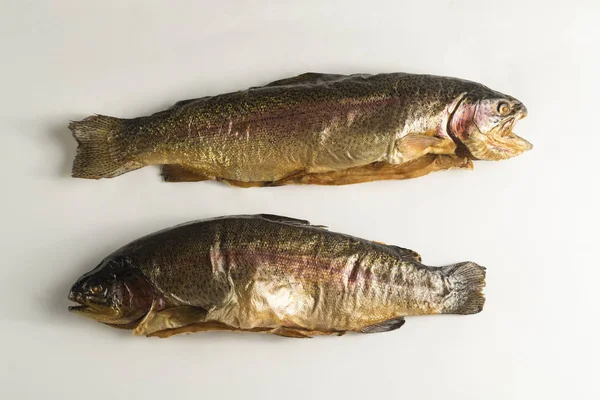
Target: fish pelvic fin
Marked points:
466	297
97	156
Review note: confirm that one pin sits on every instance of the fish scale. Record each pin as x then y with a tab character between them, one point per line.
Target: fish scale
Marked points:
303	129
281	275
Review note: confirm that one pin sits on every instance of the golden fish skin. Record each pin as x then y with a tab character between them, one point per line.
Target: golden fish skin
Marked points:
301	129
266	273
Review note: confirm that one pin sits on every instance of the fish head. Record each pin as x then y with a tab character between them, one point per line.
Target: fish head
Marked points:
483	122
113	293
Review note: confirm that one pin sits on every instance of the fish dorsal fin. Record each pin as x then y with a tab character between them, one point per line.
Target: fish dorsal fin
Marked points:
188	101
309	77
406	253
288	220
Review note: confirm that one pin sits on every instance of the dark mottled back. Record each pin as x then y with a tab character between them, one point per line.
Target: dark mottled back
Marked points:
191	263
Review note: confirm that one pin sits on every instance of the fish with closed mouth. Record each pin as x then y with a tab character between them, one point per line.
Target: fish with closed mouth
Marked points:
271	274
310	129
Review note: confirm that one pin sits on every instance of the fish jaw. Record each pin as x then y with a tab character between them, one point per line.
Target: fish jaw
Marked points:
98	313
88	309
500	144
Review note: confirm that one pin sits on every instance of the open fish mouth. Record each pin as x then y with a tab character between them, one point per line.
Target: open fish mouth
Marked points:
506	137
98	312
506	129
77	298
500	144
90	309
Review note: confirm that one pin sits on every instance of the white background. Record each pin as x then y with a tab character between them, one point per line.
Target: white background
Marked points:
532	221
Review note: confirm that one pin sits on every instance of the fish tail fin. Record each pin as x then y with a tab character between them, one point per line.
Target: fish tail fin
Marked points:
468	281
97	156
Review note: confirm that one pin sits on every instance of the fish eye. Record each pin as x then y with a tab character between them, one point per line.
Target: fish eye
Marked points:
96	289
503	108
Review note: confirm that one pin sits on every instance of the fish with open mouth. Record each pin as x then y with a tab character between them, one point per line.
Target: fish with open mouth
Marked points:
270	274
314	128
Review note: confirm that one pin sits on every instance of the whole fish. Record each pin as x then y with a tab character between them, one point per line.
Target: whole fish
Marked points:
312	128
273	274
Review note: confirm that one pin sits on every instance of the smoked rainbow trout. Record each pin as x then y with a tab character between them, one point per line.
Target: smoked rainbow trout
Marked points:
312	129
272	274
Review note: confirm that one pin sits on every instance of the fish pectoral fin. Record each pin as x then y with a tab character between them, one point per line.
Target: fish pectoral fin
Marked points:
385	326
414	145
178	173
199	327
170	318
184	314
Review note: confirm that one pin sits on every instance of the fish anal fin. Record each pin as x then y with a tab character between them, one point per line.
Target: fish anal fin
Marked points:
385	326
303	333
243	184
178	173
